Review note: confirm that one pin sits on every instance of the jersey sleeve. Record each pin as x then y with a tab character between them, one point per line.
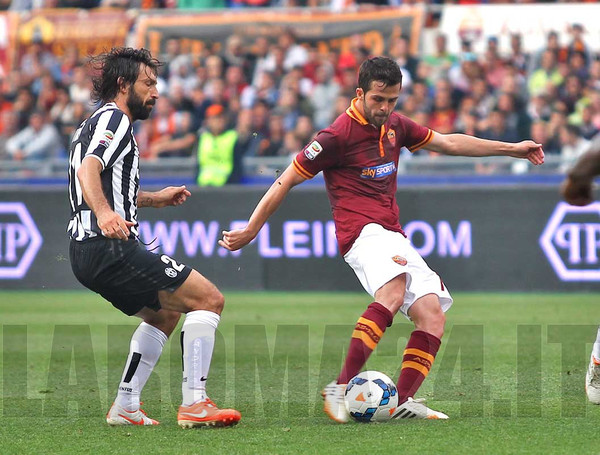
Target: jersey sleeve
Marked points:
321	153
111	128
416	136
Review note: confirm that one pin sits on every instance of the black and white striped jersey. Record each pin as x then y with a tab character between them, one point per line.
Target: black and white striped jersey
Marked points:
107	136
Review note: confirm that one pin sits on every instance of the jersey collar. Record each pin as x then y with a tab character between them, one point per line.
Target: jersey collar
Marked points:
355	114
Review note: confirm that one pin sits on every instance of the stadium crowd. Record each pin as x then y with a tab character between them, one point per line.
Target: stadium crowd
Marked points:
261	98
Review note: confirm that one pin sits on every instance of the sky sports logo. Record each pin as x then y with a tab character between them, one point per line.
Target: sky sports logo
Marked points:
378	172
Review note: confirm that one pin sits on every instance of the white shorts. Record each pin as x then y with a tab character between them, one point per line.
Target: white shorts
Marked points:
378	256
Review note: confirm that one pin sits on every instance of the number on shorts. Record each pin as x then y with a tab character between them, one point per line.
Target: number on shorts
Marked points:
170	261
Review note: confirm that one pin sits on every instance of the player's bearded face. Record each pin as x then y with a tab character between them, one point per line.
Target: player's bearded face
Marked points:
142	95
138	108
379	102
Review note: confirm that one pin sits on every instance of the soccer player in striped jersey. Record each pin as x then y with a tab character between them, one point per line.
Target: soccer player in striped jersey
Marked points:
577	190
107	257
358	155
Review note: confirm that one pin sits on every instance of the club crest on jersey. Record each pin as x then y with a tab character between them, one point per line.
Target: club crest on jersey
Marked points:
378	172
399	260
312	150
391	134
107	138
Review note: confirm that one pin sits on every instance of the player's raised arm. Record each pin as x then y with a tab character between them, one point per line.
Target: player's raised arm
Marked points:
464	145
576	189
269	203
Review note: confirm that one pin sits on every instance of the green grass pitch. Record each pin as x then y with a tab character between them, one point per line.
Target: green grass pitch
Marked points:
510	375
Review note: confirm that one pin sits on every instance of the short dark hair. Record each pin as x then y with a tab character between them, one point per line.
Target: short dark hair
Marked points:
382	69
119	62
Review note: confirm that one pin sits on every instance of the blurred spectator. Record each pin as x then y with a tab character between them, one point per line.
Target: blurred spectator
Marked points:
162	123
272	145
462	76
443	115
305	129
518	58
440	62
23	106
323	96
494	67
265	90
260	61
37	141
546	75
516	117
400	51
294	53
577	44
248	140
219	161
497	129
9	122
552	45
235	81
586	124
291	144
80	89
572	145
178	144
35	61
539	134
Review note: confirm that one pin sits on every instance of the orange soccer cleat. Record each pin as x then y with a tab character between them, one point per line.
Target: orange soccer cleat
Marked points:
206	413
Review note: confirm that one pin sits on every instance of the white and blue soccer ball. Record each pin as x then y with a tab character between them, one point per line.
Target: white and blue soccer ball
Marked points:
371	396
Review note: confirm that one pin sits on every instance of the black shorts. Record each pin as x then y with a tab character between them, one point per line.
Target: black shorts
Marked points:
125	273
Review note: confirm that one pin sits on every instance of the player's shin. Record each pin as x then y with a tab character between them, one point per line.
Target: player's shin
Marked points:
197	344
368	331
419	355
145	349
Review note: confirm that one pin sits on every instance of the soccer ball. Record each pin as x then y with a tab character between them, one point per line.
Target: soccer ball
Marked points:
371	396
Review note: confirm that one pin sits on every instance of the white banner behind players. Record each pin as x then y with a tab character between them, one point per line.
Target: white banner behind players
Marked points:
477	23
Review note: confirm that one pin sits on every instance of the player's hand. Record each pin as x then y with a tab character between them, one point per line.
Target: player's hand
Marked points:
529	150
576	193
234	240
171	195
113	226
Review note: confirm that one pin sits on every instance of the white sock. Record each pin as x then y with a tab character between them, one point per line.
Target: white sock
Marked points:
144	351
198	341
596	348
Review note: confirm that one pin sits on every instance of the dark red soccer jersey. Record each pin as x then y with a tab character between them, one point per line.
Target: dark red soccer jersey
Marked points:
360	163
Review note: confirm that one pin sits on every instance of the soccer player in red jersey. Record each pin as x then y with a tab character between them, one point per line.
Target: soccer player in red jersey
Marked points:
358	155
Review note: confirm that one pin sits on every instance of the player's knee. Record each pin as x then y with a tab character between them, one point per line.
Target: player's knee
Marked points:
432	321
439	323
215	301
435	323
171	321
164	320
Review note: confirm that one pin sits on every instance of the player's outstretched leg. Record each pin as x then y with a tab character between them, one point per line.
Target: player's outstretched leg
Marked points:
367	332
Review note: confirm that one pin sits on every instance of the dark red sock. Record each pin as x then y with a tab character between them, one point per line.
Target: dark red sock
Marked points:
418	357
367	333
